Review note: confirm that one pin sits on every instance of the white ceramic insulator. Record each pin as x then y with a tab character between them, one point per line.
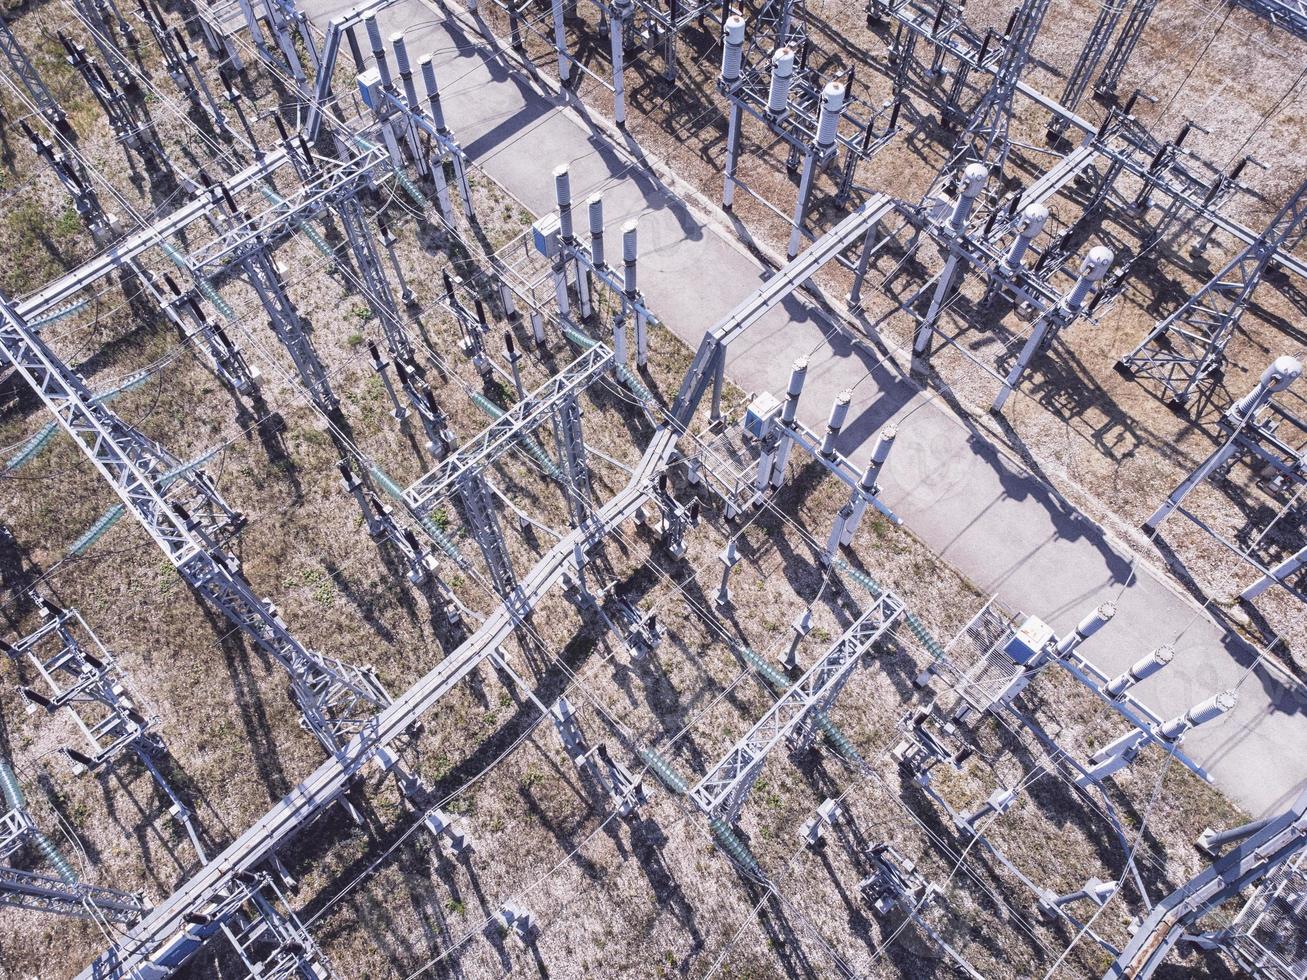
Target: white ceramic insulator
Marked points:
782	76
732	48
832	103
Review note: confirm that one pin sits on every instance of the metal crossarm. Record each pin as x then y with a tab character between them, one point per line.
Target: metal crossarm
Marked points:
572	439
25	890
335	697
88	684
722	792
1183	351
284	215
501	435
155	234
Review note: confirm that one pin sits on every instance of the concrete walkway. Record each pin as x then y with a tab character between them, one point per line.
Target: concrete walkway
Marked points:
966	498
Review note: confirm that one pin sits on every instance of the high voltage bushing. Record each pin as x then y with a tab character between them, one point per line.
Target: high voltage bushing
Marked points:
555	238
732	55
986	136
1118	754
1092	270
1027	227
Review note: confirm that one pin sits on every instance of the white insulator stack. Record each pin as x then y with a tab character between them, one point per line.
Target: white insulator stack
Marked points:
973	183
630	248
1282	372
1092	270
1090	625
782	77
732	49
563	194
828	122
838	413
1199	714
378	52
595	206
1139	671
433	92
1027	227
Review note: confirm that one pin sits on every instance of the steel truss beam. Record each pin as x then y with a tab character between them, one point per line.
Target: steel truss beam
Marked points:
985	138
1291	14
29	77
1077	80
90	686
336	698
133	245
286	323
483	525
722	792
374	285
1140	12
25	890
922	20
500	436
162	938
323	188
257	921
1186	349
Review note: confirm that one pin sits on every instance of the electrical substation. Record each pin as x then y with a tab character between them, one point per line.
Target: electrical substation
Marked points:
653	488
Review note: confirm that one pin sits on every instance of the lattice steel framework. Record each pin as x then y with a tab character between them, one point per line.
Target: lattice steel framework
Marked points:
723	791
1184	351
336	697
